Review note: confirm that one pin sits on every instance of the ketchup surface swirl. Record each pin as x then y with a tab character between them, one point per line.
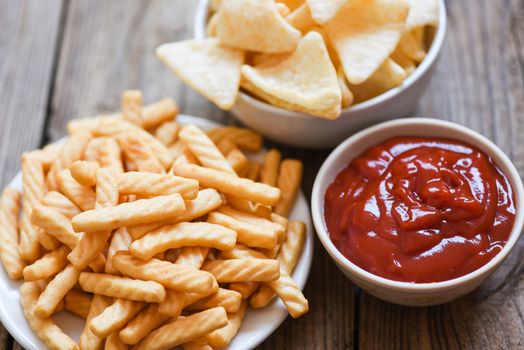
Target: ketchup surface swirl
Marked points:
420	209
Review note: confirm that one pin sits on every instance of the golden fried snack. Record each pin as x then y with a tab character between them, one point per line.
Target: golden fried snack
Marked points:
204	149
167	133
113	342
137	151
237	160
287	257
246	289
242	204
121	287
229	183
175	301
88	340
184	330
132	107
121	241
172	276
72	150
241	251
206	201
117	127
254	220
55	291
197	344
115	317
84	197
84	172
78	302
289	183
270	167
290	293
32	194
194	234
243	270
245	139
228	299
45	329
91	244
48	265
9	253
150	184
62	204
159	112
47	155
252	171
55	224
145	322
249	234
141	211
109	155
221	337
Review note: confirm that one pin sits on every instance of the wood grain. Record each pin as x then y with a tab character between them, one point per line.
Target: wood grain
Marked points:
28	33
479	83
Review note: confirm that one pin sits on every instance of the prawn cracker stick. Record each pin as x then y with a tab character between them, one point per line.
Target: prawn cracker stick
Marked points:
173	304
290	293
132	107
141	211
229	183
144	323
204	149
138	152
88	340
109	155
237	160
84	197
78	302
270	167
9	253
120	241
241	204
159	112
150	184
289	183
48	265
206	201
32	193
91	244
121	287
55	291
228	299
62	204
194	234
222	337
241	251
184	330
249	234
55	224
243	270
45	329
115	317
84	172
172	276
167	133
245	139
192	256
253	220
113	342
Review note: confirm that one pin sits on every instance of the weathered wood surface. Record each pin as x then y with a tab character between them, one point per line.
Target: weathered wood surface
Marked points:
104	47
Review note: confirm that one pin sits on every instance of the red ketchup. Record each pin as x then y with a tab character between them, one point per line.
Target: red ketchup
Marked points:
420	209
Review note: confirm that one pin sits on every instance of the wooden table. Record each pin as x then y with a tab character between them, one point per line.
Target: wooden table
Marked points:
64	59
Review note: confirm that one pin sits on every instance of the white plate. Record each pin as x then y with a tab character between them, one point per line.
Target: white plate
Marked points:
257	325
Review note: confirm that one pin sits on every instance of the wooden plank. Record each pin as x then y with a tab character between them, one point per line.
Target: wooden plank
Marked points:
28	33
480	83
109	46
28	37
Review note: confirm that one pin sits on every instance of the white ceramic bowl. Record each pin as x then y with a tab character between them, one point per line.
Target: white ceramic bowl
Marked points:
301	130
415	294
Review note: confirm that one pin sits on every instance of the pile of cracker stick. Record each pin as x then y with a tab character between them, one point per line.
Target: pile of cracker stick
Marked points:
157	234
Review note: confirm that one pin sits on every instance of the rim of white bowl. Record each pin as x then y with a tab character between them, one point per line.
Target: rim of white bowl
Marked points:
199	31
317	204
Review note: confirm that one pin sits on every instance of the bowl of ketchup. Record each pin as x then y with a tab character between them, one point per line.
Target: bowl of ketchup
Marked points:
418	211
